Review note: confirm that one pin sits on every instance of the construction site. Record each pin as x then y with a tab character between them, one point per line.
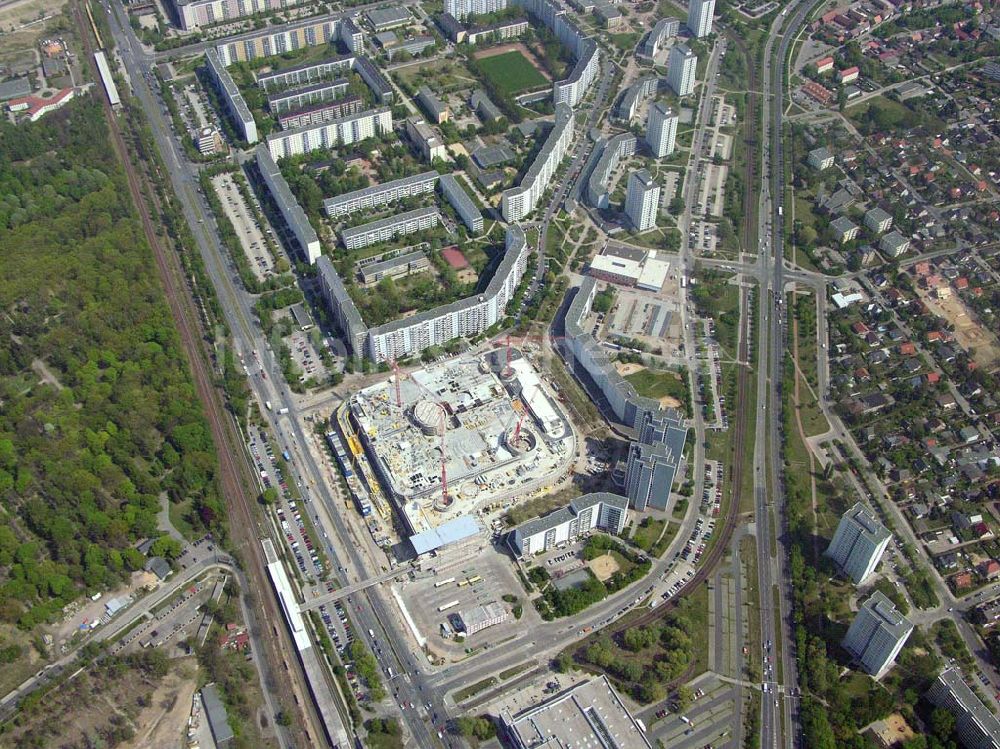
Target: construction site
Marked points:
470	434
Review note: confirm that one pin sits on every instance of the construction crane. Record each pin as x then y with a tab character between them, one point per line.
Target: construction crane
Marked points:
517	429
395	373
444	454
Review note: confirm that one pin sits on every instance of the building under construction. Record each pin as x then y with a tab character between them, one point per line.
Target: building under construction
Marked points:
456	437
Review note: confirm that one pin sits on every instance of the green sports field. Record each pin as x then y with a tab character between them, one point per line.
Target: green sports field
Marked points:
511	72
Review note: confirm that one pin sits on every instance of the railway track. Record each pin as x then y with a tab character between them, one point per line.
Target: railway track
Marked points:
749	240
233	477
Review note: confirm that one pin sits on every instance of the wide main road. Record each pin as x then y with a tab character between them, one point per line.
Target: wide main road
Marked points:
779	714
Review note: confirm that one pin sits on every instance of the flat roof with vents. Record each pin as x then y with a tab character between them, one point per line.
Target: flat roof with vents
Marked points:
591	714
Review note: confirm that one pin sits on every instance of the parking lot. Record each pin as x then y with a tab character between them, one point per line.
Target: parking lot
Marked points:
433	600
704	238
707	721
251	233
287	509
306	357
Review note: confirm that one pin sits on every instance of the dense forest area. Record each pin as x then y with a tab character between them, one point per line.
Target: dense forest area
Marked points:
98	414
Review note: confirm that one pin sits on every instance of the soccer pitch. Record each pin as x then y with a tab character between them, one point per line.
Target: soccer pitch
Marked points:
511	72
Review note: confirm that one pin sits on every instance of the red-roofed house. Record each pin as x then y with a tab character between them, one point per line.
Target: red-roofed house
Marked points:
848	74
907	349
990	569
36	107
933	378
824	65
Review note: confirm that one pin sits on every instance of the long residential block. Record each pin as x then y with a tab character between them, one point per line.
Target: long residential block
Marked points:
612	152
303	75
295	218
298	98
385	229
975	725
435	327
518	202
377	195
584	49
464	318
231	97
320	113
340	132
311	32
459	199
193	14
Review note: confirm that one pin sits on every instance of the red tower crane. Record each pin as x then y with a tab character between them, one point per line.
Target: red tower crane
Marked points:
517	429
395	372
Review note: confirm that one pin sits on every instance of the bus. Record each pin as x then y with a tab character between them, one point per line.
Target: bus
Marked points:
474	580
442	583
449	605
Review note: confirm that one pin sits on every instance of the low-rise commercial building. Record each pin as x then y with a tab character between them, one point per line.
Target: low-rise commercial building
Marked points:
591	712
218	719
425	139
395	267
392	17
482	617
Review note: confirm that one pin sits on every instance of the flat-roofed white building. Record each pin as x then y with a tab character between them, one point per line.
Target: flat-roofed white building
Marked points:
590	712
378	195
598	511
339	132
383	230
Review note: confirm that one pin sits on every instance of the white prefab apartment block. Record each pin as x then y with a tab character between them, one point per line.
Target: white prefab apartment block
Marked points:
976	726
518	202
700	14
462	8
195	13
459	199
295	218
385	229
642	200
601	510
231	97
877	634
681	68
378	195
858	543
340	132
661	134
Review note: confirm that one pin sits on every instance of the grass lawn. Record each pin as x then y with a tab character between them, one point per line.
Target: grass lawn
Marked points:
178	512
512	72
538	506
648	532
660	383
625	42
